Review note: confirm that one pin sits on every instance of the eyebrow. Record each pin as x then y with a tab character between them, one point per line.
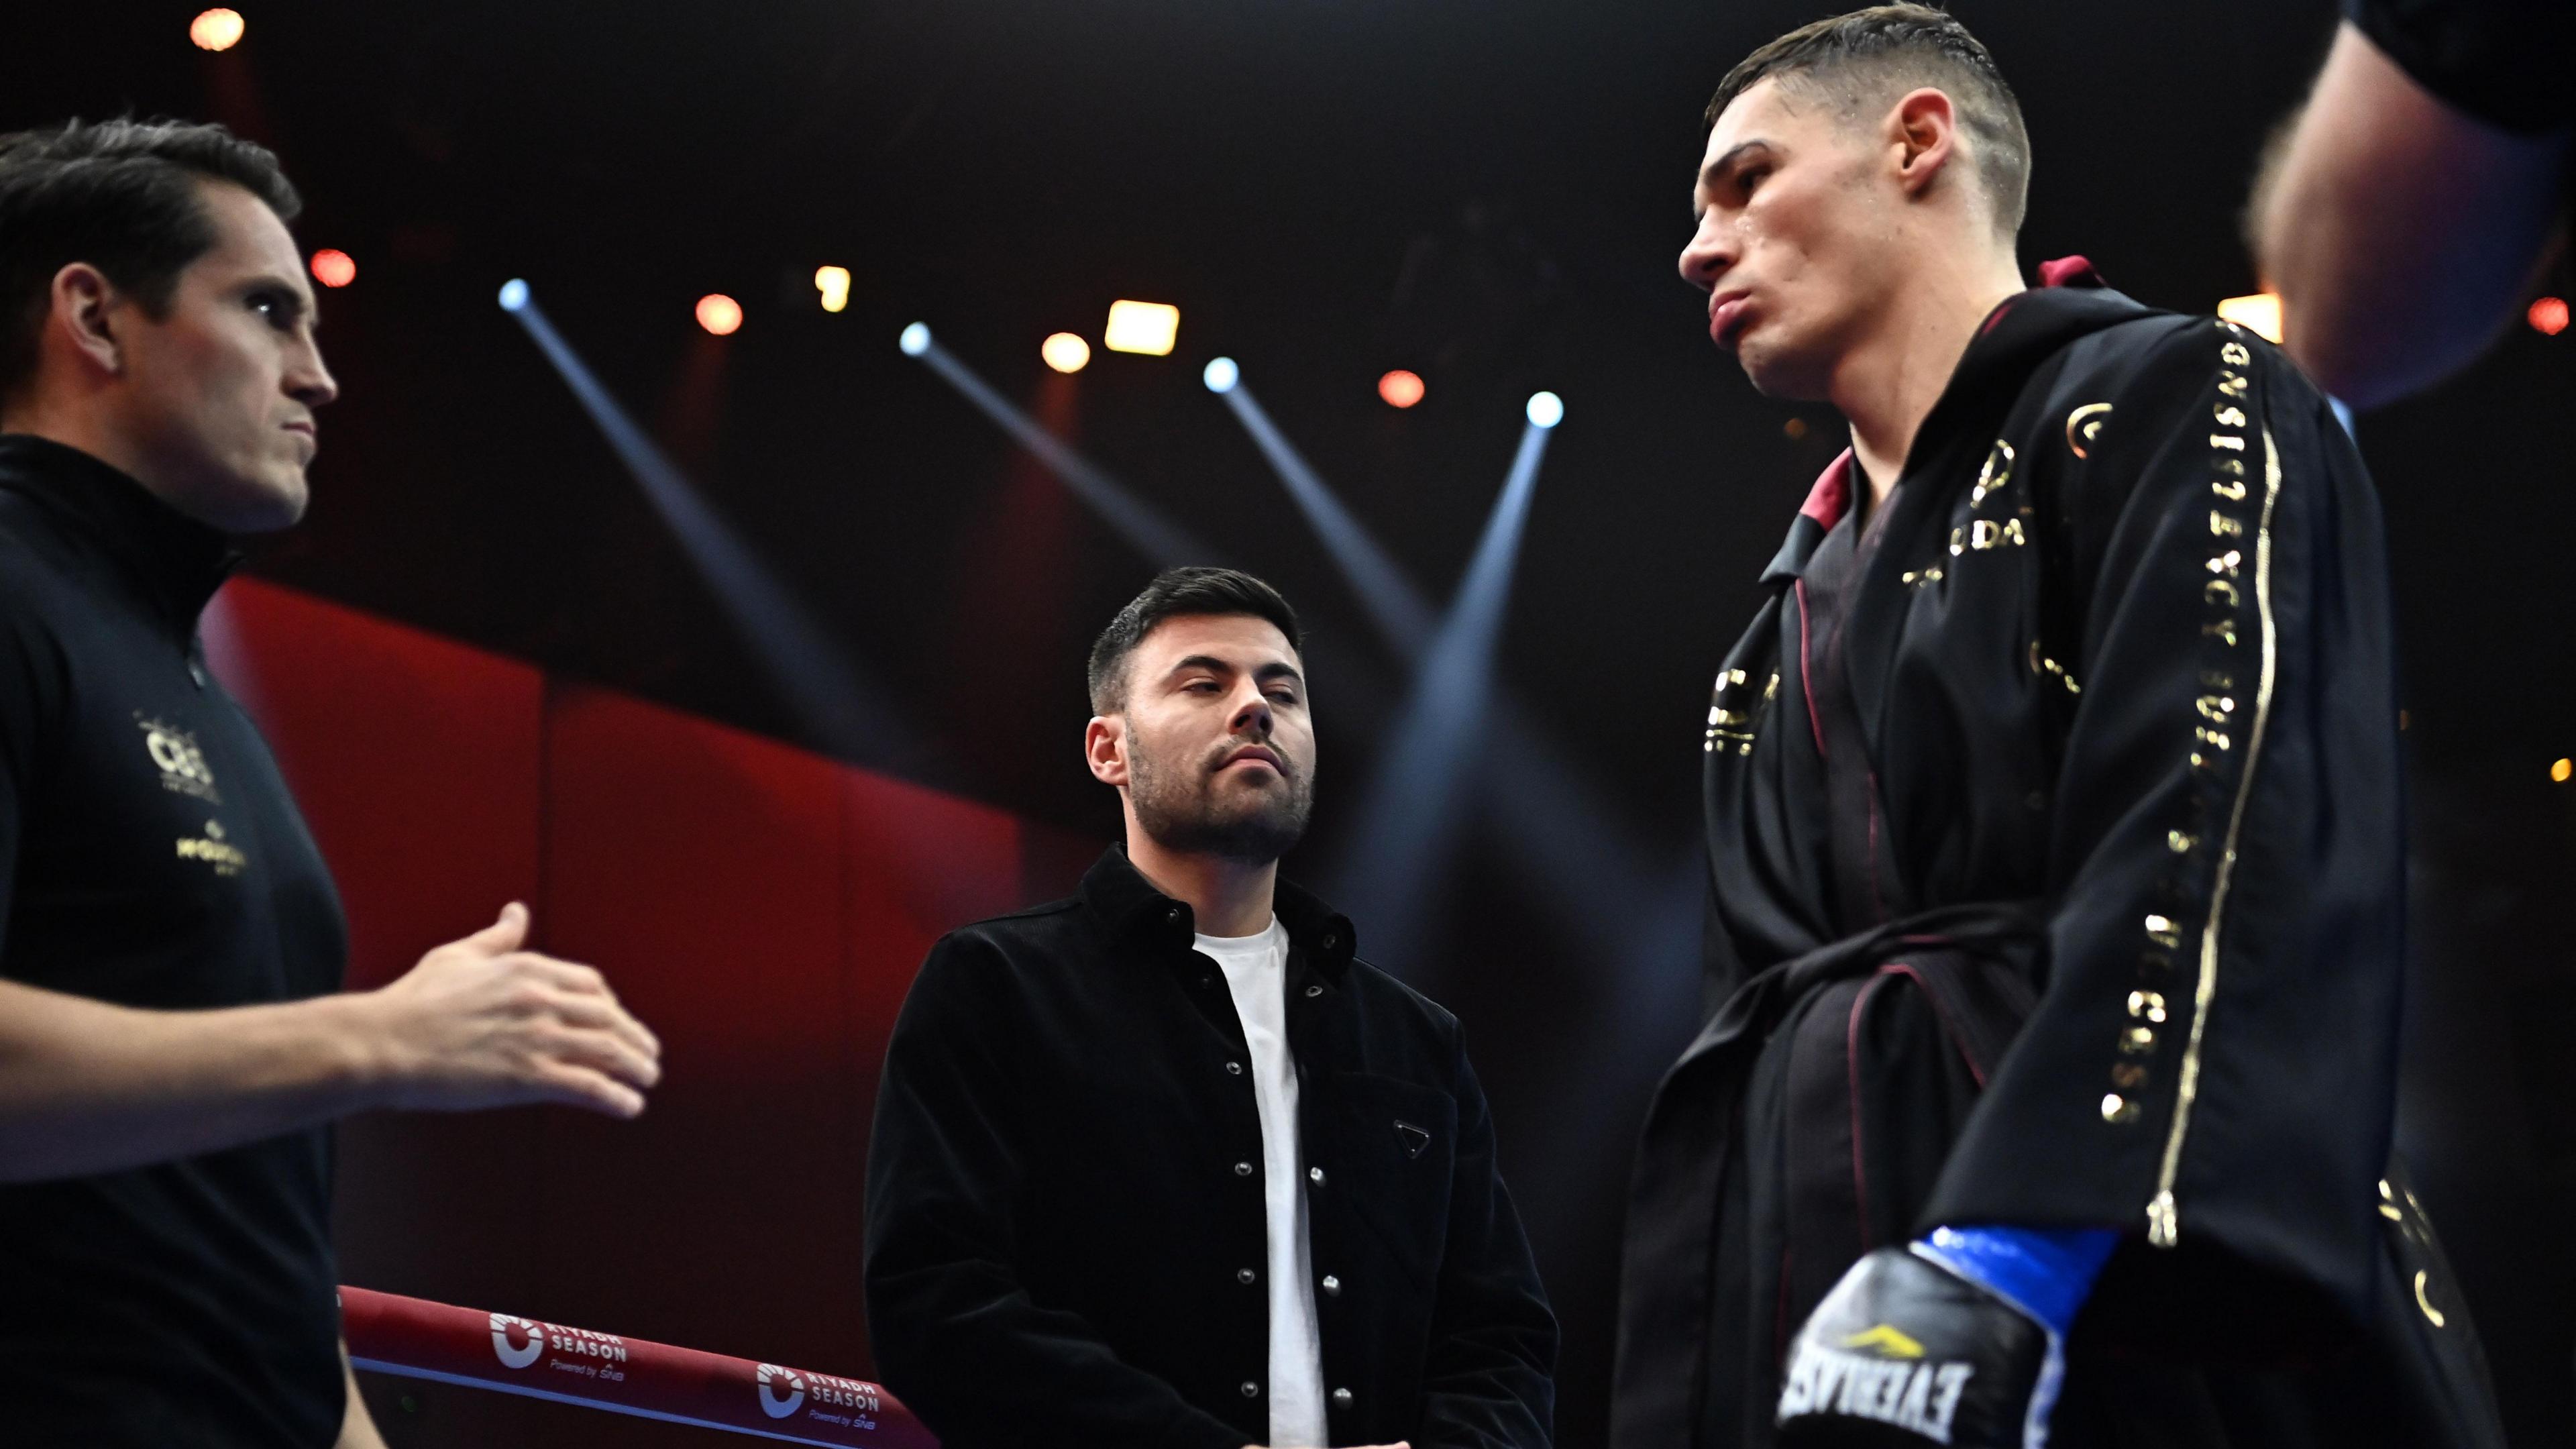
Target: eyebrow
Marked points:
1717	170
1275	669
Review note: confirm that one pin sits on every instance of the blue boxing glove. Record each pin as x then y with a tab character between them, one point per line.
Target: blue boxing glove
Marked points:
1957	1339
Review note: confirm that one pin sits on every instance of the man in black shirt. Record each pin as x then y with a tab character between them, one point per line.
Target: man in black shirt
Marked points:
173	1042
2403	214
1165	1166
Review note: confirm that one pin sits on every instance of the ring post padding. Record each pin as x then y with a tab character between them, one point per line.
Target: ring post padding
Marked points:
416	1338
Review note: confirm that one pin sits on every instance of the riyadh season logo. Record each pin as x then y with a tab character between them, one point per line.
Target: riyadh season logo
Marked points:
773	1403
512	1355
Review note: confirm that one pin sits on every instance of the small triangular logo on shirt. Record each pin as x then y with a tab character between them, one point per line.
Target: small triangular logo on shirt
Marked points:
1413	1138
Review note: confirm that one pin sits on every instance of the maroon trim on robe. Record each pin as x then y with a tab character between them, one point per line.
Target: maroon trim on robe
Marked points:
2070	272
1831	497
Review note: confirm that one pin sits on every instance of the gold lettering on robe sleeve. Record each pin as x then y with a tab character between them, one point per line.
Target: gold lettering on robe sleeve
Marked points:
2224	610
2214	752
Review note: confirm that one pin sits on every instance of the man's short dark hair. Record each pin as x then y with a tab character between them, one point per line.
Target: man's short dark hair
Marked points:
1193	592
1870	57
121	196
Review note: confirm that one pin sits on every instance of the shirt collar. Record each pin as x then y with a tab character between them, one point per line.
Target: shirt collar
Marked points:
1127	903
2024	328
176	562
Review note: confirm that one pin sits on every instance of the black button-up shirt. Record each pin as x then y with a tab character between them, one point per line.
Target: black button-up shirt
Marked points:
1062	1197
150	855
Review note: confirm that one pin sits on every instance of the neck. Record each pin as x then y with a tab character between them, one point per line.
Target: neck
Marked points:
1228	897
1887	385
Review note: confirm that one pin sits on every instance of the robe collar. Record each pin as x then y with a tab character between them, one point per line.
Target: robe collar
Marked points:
2023	329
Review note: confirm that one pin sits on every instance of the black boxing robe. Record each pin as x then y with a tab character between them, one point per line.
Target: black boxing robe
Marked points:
2056	844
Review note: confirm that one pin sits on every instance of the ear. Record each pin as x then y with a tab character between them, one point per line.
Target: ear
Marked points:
1104	748
80	314
1922	138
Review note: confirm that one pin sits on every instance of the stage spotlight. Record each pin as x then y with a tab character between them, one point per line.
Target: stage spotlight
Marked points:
2259	314
1221	375
1546	410
2562	770
1400	389
834	284
514	295
720	314
1146	327
2548	316
1065	352
915	340
334	268
217	29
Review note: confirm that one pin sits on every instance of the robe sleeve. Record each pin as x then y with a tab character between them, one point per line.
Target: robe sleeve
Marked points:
2211	1065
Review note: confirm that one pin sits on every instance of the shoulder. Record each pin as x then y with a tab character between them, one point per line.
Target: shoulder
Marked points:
2150	391
1394	1006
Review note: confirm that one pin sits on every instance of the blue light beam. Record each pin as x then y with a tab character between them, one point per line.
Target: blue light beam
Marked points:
1395	606
1145	530
830	700
1411	808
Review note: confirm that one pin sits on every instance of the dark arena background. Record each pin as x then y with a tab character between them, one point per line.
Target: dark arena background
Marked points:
740	631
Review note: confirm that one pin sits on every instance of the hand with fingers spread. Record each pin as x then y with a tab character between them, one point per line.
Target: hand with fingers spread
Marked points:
482	1023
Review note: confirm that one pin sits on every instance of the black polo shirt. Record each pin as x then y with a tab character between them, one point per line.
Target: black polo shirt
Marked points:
1066	1226
150	855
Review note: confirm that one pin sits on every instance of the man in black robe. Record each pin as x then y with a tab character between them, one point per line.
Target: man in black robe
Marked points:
2056	847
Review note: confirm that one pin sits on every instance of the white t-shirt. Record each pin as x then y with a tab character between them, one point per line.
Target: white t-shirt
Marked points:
1256	972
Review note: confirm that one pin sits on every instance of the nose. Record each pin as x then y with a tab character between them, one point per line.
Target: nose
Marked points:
308	381
1252	714
1710	252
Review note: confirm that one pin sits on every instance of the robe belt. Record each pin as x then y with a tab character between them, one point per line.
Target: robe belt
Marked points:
1976	928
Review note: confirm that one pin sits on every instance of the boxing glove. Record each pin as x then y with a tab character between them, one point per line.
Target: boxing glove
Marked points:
1957	1340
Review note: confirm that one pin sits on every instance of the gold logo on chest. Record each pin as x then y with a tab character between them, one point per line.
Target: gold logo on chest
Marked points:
182	765
211	847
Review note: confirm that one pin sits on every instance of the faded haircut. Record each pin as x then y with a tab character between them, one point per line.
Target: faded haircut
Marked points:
1864	60
1192	592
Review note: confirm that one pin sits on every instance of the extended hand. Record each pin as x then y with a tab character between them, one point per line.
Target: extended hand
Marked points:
481	1023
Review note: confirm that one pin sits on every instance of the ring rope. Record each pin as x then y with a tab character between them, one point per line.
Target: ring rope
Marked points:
416	1338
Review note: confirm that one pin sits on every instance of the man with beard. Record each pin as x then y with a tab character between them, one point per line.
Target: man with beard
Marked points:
1164	1164
2056	841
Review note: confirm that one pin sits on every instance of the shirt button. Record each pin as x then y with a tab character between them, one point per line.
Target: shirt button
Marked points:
1251	1390
1332	1286
1331	940
1172	916
1243	1169
1341	1398
1234	1069
1315	1175
1314	991
1243	1275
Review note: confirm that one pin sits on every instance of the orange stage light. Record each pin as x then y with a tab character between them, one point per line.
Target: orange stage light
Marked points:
2548	316
2259	314
334	268
2562	770
1400	388
217	29
1065	352
719	314
834	284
